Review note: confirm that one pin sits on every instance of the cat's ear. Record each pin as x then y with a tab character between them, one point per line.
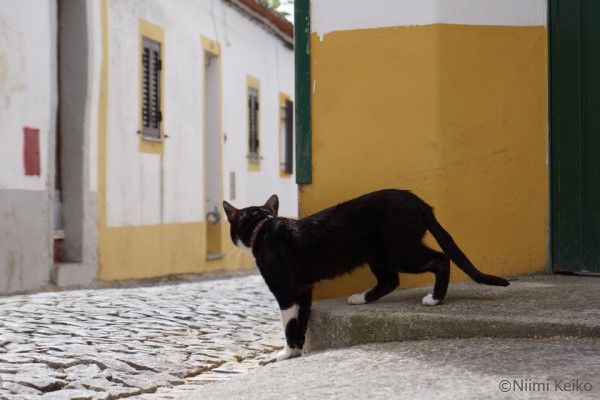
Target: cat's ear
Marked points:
230	211
273	205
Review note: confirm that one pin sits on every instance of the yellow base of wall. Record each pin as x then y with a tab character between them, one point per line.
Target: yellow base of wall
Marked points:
456	113
141	252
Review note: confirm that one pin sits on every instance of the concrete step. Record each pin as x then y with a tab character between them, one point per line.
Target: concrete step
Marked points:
73	274
539	306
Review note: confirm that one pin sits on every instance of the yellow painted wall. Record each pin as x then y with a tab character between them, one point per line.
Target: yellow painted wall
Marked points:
456	113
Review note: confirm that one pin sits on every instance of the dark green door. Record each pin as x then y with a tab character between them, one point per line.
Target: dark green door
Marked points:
575	134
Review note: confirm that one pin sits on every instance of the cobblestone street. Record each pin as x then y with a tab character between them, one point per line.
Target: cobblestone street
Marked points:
151	342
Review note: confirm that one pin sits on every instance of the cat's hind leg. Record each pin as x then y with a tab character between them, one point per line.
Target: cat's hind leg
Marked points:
304	301
439	264
387	281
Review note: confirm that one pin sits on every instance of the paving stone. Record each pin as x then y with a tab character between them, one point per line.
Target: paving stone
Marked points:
54	362
15	358
7	368
75	394
7	387
81	371
19	347
106	361
105	386
42	383
173	380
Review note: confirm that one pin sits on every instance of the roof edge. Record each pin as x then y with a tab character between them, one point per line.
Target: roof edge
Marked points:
271	19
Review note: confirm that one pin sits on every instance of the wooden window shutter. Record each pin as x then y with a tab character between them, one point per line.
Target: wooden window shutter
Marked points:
151	70
253	108
289	137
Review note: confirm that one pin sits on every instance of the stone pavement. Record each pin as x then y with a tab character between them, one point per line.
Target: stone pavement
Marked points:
157	342
477	368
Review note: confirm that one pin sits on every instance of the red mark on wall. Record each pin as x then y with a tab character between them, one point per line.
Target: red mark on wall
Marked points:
31	150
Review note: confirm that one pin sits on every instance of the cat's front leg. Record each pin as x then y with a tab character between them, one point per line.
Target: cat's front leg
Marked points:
289	320
292	311
295	323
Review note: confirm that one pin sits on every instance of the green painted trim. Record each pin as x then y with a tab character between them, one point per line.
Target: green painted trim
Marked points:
551	16
574	26
303	117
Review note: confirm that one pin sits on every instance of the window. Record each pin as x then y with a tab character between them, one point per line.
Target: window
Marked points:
151	86
151	80
286	136
253	107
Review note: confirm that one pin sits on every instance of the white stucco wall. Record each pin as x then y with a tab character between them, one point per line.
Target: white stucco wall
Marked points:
27	87
144	188
28	97
359	14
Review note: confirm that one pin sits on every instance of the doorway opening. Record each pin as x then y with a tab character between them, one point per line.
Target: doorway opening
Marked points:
213	188
70	137
74	223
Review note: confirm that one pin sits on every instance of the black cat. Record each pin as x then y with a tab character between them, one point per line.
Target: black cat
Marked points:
383	229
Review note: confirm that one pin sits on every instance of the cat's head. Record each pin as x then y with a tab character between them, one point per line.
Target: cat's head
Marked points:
244	220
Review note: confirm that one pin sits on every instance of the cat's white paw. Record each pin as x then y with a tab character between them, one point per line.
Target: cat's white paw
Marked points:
288	353
357	298
429	300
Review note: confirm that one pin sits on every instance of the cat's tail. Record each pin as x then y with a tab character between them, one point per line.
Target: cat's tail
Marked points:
454	252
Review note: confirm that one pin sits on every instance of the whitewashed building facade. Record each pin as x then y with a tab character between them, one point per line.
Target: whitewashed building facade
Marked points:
124	124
